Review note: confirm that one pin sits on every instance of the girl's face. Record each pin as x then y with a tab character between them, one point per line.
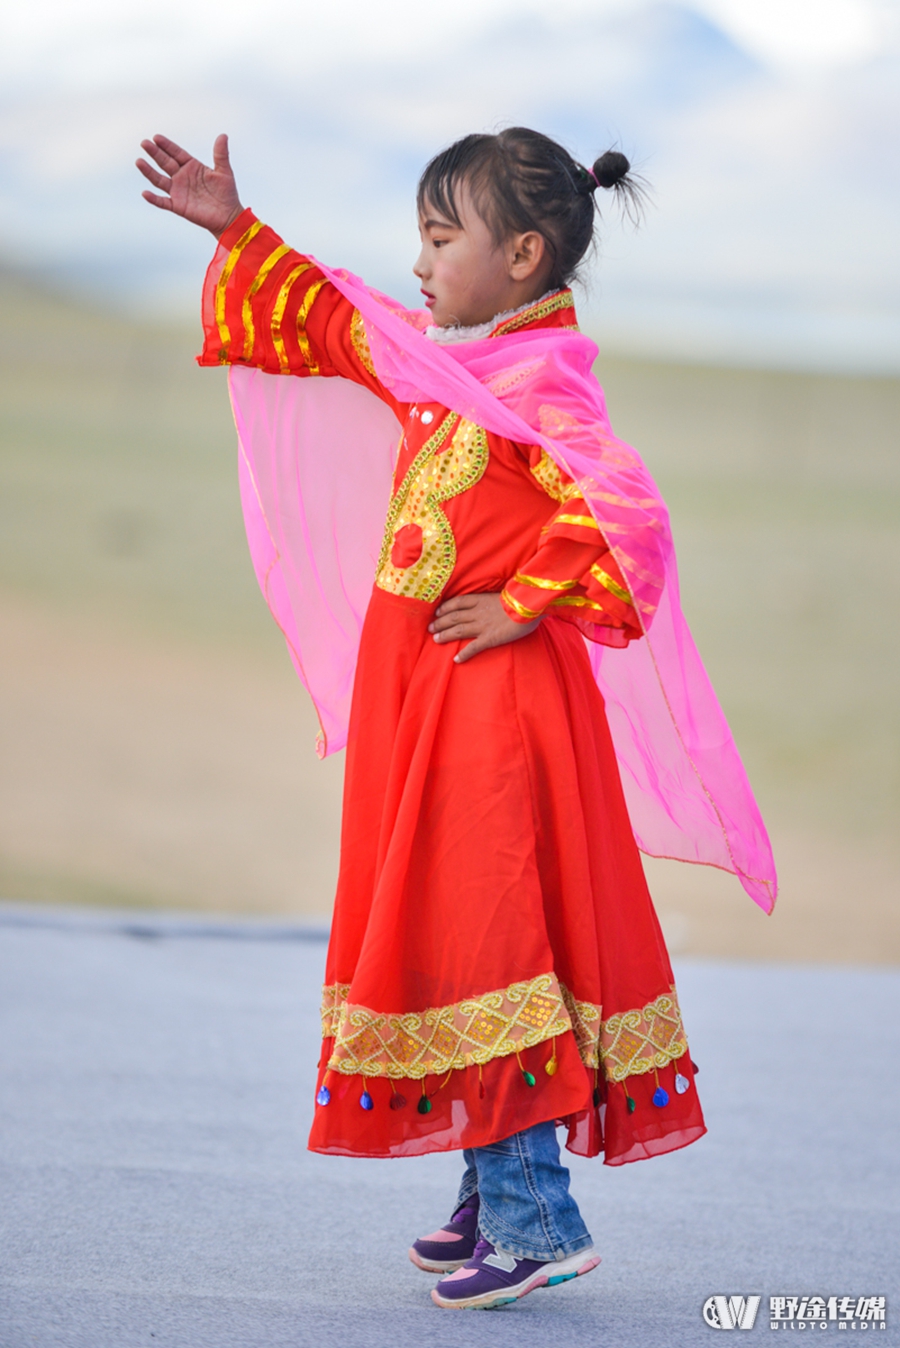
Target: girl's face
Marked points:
467	277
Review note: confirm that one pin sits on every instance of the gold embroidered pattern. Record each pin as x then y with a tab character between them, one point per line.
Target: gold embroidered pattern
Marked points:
247	308
585	1018
561	300
639	1041
334	995
222	283
360	341
609	584
307	303
435	475
540	583
549	475
496	1024
444	1038
278	314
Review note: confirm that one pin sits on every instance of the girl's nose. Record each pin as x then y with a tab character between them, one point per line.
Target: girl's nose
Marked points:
419	267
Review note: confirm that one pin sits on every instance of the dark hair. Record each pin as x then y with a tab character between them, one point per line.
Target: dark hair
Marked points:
521	180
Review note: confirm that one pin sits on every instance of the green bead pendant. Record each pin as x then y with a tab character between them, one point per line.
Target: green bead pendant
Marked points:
424	1105
630	1104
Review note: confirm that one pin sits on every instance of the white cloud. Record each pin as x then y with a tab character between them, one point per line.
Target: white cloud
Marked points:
776	198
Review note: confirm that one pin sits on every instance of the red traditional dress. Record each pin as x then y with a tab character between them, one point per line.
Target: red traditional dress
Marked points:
495	959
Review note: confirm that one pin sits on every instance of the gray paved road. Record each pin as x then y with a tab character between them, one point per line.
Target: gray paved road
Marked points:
156	1092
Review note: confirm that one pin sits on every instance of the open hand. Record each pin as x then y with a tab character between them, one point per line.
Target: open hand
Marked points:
479	619
206	196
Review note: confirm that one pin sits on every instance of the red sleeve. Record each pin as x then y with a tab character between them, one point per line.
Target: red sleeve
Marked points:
268	306
572	574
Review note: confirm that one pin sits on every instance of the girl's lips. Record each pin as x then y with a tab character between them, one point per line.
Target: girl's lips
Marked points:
429	299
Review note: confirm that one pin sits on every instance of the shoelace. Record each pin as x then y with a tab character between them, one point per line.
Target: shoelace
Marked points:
482	1247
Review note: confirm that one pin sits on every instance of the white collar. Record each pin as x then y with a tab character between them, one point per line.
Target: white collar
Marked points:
456	333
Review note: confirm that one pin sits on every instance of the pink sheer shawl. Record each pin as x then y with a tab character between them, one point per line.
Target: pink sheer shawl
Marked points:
316	461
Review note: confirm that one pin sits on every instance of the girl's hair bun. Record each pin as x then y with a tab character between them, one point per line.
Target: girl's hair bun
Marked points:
610	168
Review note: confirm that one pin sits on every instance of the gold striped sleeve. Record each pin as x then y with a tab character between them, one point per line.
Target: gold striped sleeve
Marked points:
540	583
604	579
246	308
222	283
309	300
516	607
278	314
583	521
577	601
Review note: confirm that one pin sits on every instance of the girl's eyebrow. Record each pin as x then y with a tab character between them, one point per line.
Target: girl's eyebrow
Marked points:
438	224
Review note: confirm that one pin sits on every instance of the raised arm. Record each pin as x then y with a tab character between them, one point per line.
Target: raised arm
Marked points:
264	304
208	197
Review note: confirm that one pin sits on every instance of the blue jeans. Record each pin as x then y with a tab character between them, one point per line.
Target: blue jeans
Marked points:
526	1208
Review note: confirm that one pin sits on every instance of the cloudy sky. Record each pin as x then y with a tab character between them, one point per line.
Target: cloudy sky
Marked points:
769	129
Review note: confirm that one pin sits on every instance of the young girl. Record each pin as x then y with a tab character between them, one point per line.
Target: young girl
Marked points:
496	967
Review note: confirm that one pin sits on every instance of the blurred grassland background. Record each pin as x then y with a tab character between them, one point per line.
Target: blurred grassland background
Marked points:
157	749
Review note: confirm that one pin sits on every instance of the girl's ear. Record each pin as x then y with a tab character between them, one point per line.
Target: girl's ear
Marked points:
527	253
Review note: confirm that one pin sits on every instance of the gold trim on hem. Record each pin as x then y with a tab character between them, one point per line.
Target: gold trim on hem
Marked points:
516	607
541	583
496	1024
604	579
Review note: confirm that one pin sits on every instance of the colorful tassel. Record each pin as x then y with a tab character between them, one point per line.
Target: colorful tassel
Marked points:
551	1066
324	1096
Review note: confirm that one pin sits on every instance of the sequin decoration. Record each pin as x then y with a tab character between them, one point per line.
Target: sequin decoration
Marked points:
681	1083
436	475
323	1096
660	1097
366	1101
417	1044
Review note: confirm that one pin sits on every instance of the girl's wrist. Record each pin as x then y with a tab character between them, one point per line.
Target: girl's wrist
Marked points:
238	210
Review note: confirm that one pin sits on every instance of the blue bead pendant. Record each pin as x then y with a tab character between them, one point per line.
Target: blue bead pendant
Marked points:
660	1097
366	1101
323	1096
681	1083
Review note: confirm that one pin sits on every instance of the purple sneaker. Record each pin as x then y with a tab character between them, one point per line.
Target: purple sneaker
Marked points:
446	1250
492	1277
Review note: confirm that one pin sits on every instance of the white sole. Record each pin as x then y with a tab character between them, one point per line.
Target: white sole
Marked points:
563	1270
432	1266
